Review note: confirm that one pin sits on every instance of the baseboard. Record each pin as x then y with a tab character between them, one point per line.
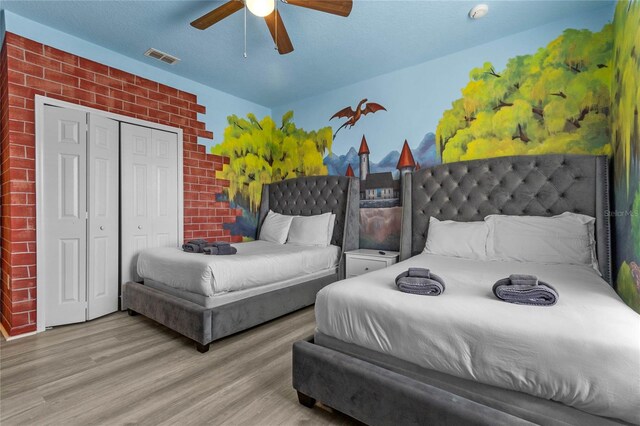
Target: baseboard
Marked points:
9	338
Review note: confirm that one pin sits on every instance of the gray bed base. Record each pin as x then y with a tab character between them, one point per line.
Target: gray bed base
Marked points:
378	392
300	196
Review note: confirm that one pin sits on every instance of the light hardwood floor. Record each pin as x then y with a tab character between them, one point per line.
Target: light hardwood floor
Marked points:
130	370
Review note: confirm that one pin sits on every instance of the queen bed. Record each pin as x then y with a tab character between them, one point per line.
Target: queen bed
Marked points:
386	357
209	297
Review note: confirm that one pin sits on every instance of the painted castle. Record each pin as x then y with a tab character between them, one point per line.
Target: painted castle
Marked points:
381	189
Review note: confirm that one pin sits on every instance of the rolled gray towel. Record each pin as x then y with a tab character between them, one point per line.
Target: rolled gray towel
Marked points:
419	272
194	246
533	292
218	244
420	281
220	250
520	279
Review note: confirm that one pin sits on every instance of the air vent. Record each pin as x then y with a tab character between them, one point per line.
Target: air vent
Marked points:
161	56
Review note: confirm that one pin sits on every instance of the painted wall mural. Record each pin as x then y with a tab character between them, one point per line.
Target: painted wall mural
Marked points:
554	101
625	135
260	152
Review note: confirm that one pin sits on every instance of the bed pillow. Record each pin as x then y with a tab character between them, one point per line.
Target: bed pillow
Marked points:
457	239
332	225
310	230
276	227
567	238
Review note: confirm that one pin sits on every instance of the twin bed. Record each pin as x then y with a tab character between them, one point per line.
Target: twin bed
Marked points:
209	297
465	357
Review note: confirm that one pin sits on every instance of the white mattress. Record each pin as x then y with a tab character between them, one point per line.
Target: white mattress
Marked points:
256	263
584	351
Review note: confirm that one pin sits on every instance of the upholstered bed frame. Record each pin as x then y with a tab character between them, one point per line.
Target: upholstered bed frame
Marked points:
382	390
300	196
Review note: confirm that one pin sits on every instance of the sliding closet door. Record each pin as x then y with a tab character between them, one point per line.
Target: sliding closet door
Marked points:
64	167
149	193
103	162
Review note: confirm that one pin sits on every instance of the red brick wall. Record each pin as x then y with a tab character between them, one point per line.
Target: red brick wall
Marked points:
30	68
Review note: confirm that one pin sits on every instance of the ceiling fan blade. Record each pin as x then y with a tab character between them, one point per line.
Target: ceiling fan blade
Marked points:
283	41
335	7
218	14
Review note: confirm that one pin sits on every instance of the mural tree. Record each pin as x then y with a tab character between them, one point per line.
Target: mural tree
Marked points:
554	101
262	152
625	135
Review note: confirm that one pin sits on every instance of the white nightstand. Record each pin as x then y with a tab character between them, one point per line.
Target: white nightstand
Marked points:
364	260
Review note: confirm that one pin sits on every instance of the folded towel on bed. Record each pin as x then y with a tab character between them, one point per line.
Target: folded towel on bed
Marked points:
525	290
220	250
194	246
218	244
420	281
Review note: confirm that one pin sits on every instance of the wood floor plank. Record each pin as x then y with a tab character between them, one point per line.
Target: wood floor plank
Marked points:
131	370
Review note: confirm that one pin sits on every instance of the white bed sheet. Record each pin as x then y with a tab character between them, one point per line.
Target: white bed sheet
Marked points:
584	351
256	263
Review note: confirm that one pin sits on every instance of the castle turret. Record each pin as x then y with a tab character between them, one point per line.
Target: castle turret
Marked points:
363	153
349	172
406	163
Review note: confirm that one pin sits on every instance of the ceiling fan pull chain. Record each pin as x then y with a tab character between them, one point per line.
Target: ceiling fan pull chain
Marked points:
245	32
275	20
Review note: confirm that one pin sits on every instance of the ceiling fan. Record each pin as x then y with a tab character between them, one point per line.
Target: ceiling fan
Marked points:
267	9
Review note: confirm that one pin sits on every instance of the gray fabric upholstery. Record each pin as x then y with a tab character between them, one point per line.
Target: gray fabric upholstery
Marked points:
378	396
183	316
311	195
519	404
205	325
544	185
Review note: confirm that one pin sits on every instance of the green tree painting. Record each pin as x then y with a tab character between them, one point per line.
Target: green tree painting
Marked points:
260	152
553	101
625	135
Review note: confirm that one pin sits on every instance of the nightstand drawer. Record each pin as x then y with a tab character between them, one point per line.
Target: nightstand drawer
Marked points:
357	266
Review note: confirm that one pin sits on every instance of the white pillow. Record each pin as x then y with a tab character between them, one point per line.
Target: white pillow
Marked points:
276	227
310	230
332	225
567	238
458	239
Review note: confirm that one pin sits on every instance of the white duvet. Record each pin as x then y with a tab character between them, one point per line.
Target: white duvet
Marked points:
256	263
584	351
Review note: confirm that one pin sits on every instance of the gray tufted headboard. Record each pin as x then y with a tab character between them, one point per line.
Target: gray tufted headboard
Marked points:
312	195
544	185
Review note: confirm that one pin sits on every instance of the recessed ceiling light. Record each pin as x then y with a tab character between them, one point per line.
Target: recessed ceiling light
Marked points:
478	11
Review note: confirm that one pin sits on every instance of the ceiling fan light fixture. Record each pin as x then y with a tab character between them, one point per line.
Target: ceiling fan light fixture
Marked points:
260	8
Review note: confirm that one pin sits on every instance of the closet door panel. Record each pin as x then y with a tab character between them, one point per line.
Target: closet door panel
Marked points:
149	193
64	167
165	188
103	224
135	194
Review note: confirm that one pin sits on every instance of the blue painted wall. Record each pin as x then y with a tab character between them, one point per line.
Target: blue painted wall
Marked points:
219	104
416	97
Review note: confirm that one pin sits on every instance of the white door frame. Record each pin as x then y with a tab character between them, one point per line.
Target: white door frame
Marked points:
40	102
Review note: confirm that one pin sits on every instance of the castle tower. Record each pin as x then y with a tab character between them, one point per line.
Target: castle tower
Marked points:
349	172
406	163
363	153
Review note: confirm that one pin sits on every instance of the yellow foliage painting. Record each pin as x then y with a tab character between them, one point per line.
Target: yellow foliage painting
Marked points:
553	101
261	152
625	134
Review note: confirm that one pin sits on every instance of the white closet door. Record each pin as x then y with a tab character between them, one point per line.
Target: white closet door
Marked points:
103	155
149	193
64	216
